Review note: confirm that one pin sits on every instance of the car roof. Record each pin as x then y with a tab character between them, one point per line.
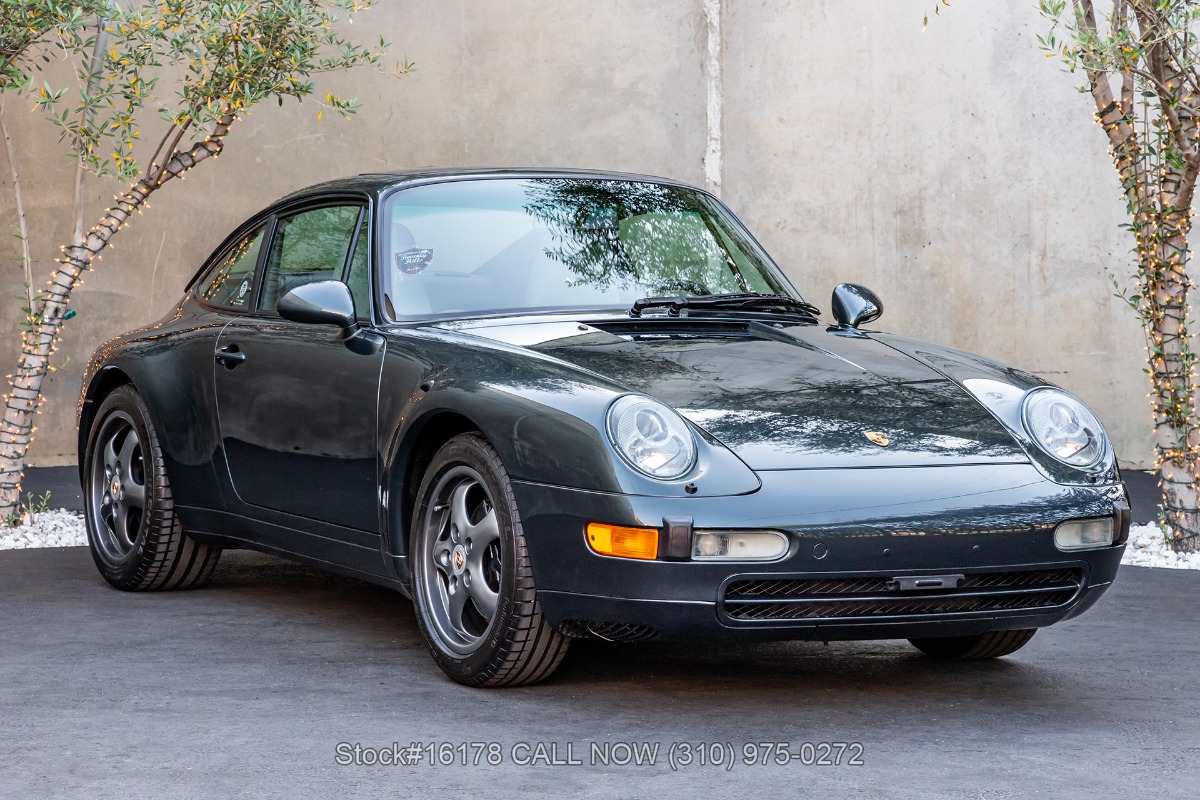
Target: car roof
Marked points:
377	183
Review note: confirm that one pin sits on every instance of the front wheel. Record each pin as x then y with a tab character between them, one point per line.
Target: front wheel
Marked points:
133	532
476	603
993	644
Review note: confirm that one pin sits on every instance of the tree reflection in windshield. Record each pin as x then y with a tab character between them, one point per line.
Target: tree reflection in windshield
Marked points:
467	247
657	238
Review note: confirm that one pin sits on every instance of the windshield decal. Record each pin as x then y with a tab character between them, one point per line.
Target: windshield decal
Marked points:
414	260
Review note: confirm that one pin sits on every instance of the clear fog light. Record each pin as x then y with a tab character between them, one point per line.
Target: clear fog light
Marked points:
1084	534
738	545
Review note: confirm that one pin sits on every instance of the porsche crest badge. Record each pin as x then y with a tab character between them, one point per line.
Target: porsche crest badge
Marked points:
877	437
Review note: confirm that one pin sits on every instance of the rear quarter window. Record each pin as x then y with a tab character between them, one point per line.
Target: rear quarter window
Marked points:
230	283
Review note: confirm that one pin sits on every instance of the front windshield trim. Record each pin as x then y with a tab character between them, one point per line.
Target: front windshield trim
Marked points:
582	313
764	264
429	319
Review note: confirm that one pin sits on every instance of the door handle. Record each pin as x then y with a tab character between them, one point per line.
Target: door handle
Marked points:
230	356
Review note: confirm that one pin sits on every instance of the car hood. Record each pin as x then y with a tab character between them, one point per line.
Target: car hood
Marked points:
791	397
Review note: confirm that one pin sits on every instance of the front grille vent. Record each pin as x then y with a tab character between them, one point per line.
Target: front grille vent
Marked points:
859	598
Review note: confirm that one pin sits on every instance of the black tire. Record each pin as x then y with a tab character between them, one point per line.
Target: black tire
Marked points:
993	644
514	646
136	549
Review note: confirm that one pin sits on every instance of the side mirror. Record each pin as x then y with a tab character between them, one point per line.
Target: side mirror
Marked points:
320	303
854	305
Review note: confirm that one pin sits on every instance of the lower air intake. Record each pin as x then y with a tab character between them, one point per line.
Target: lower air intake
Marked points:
871	597
608	631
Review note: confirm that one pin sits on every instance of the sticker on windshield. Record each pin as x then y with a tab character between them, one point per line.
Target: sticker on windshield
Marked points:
414	260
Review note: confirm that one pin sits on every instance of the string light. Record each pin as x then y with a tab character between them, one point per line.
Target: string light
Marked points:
40	337
1152	185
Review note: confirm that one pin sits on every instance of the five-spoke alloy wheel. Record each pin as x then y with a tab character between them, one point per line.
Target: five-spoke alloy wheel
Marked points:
463	547
118	481
475	597
133	532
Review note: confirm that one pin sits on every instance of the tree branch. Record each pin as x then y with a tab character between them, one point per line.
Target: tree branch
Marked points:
1181	59
12	52
1118	22
169	153
89	114
1150	23
26	257
161	143
1115	121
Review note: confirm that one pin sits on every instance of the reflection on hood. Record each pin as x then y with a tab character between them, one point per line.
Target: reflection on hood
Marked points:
787	398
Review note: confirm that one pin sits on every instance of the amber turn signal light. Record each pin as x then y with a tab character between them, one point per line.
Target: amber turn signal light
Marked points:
615	540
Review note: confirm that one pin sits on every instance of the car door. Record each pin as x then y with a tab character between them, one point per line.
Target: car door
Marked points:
297	402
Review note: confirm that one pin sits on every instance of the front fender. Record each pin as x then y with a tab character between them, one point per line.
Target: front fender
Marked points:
999	389
546	418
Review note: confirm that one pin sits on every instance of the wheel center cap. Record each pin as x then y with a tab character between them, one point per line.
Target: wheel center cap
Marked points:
459	558
115	488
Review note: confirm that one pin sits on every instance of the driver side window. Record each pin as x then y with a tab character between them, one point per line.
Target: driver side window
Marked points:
307	247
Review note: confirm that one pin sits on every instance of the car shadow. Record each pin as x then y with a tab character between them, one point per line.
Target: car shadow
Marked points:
885	677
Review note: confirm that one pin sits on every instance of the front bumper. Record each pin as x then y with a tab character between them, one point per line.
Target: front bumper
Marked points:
847	527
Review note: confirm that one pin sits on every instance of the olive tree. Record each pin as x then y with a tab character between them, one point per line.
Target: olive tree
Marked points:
200	64
1139	62
30	32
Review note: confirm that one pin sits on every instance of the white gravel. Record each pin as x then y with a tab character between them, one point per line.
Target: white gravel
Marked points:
1148	548
59	528
64	528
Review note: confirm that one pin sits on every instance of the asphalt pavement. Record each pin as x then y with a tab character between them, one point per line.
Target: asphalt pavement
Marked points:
61	483
248	687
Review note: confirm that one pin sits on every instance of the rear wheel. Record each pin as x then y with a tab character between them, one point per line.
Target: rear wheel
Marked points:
993	644
134	535
476	603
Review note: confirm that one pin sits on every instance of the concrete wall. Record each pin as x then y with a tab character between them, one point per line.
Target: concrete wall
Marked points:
955	171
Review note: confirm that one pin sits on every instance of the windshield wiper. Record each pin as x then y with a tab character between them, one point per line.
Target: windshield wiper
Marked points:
749	301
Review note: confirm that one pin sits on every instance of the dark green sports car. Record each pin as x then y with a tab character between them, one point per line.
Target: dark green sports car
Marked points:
556	404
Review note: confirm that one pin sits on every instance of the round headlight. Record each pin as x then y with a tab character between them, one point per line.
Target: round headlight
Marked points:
651	437
1064	427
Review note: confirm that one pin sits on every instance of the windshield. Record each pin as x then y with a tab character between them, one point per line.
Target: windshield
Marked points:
472	247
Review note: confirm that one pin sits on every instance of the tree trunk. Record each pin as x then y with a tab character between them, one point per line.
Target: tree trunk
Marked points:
1162	248
22	402
1158	167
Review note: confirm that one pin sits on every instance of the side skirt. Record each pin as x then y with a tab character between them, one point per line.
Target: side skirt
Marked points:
325	550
